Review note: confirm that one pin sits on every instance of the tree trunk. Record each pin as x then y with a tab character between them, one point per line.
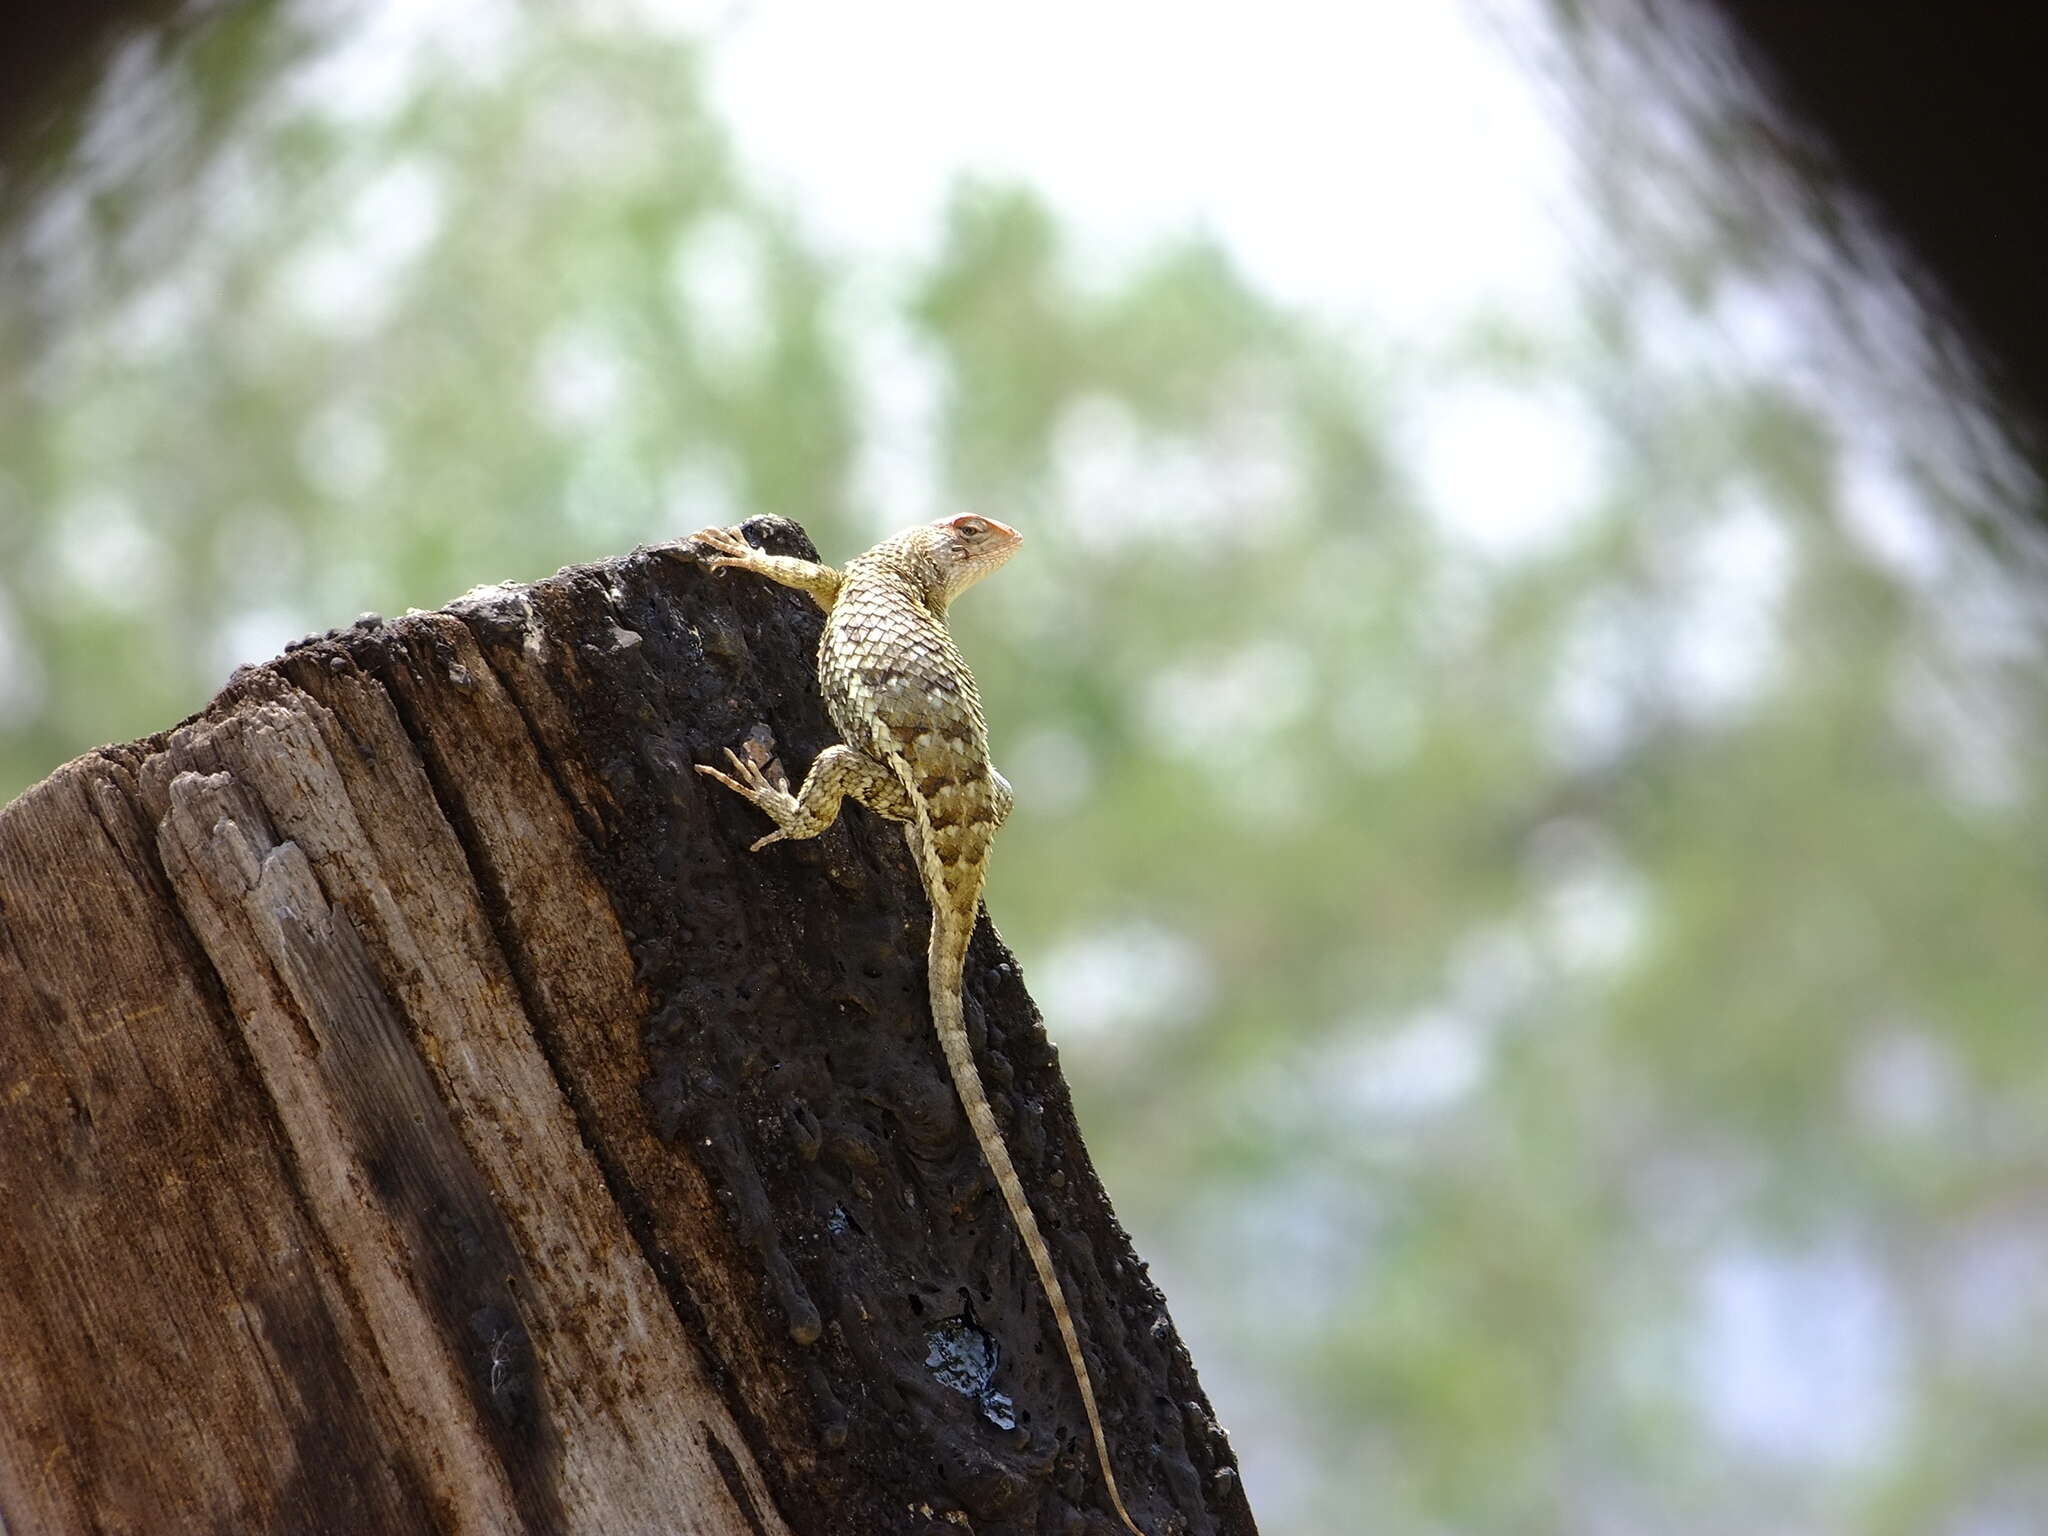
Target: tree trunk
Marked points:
419	1112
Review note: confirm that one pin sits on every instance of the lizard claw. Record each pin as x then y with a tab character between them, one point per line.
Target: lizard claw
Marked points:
765	787
710	772
729	548
755	778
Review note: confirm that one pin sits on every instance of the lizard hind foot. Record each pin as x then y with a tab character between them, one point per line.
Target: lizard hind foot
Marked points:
763	784
757	782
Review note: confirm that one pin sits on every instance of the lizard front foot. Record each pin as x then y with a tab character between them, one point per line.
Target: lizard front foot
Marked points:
730	549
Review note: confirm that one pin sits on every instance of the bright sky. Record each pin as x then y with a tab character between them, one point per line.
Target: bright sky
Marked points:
1387	159
1388	163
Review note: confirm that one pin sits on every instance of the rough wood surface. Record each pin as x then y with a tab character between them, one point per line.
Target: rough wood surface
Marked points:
418	1112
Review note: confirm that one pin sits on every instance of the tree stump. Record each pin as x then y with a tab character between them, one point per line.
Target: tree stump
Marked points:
419	1112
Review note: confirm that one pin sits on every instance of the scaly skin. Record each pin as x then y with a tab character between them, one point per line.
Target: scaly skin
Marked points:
914	748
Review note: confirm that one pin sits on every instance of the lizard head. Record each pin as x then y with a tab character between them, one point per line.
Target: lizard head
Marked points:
965	548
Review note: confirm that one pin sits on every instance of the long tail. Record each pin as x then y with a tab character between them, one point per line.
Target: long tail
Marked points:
948	955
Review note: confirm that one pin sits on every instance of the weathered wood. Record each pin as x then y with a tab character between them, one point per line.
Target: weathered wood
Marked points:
418	1111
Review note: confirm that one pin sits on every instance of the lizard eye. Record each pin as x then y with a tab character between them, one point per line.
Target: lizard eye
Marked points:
971	527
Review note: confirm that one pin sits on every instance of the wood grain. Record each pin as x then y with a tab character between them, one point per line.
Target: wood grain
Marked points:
418	1112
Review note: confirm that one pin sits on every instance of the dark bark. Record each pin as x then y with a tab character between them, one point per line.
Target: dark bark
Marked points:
418	1111
1936	114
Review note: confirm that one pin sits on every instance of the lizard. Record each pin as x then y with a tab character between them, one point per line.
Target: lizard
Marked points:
914	748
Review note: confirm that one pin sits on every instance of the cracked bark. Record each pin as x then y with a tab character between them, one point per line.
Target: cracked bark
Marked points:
418	1112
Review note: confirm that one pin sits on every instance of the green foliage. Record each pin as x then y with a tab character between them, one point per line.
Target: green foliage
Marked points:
1520	1000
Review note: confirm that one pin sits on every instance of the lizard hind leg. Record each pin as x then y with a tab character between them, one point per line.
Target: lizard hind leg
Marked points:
838	772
